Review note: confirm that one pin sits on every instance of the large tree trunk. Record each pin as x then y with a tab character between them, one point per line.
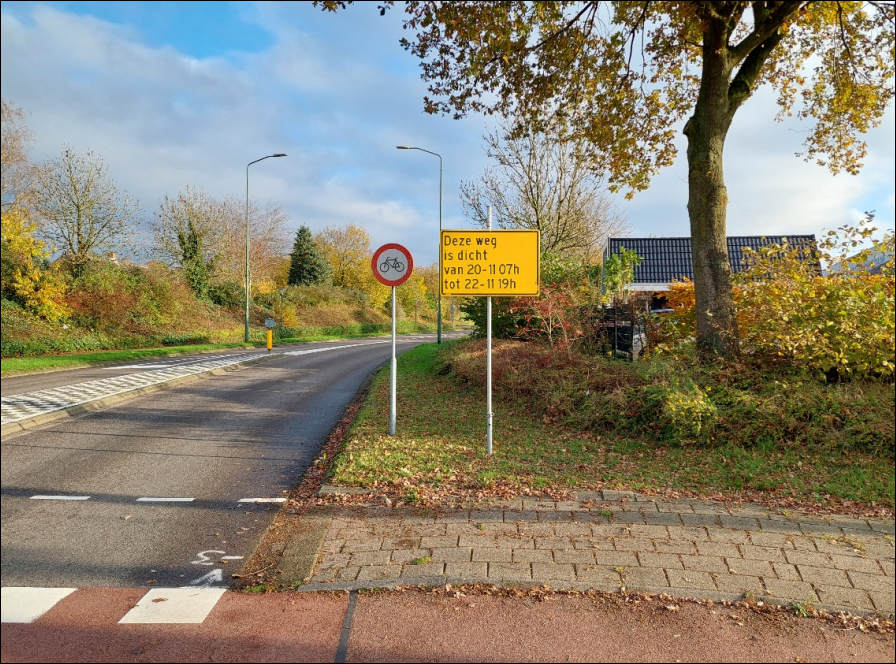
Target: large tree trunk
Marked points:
708	201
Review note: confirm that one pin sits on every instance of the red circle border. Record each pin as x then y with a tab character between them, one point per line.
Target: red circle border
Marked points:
391	282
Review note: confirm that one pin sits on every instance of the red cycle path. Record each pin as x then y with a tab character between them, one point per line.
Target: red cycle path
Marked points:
416	627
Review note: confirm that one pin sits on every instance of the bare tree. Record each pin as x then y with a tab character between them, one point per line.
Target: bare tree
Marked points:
17	171
83	210
206	237
543	182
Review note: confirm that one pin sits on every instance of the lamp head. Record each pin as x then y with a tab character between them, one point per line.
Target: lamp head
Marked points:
404	147
279	154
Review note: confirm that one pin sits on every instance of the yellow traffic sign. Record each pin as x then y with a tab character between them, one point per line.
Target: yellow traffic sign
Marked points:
489	263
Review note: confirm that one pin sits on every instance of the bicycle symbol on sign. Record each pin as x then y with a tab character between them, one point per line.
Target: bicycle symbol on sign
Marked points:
393	263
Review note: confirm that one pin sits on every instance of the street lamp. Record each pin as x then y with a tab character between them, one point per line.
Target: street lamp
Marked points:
279	154
439	315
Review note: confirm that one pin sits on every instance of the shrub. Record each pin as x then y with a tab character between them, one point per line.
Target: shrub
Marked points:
688	412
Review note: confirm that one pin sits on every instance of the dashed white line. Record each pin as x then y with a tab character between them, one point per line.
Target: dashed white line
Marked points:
261	500
60	497
25	605
174	605
165	500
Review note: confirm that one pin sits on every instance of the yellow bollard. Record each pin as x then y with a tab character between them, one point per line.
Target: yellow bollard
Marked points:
270	340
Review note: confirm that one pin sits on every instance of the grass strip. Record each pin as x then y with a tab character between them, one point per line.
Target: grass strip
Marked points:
438	453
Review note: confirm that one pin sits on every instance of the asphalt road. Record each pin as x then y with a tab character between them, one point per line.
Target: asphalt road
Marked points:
159	489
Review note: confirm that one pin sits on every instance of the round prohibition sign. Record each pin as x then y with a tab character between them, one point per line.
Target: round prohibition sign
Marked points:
392	264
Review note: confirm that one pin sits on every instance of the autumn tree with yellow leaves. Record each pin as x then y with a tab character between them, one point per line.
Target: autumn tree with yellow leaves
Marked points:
623	75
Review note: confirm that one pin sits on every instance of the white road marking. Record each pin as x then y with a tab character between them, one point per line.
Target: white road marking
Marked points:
165	500
60	497
174	605
262	500
24	406
25	605
231	557
208	580
321	350
140	366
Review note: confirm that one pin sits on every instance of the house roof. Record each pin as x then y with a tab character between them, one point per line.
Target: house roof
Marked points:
666	259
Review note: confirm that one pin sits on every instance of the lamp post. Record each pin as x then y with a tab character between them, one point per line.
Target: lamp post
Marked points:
439	315
279	154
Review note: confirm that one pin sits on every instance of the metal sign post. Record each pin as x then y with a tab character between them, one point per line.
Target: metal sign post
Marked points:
392	264
490	416
489	263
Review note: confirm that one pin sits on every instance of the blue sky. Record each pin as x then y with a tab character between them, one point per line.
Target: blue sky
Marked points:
177	93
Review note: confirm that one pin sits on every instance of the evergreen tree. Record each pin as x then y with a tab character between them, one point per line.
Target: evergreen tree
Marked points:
307	265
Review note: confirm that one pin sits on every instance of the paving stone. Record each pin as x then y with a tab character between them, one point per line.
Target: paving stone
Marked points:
533	556
824	576
331	545
674	546
589	517
535	529
718	549
665	560
875	582
883	602
379	572
803	543
568	506
689	578
786	572
400	543
705	564
517	542
628	517
509	571
798	591
453	517
553	517
492	555
499	529
553	572
848	597
776	540
888	528
856	563
692	533
662	519
742	566
645	577
487	516
461	528
820	528
466	570
676	507
608	531
573	556
348	573
738	583
572	529
807	558
616	558
709	507
523	516
401	556
359	545
428	530
651	532
761	553
700	519
553	543
452	555
598	575
739	522
371	558
476	540
632	544
590	543
333	560
728	536
888	566
609	494
833	546
423	570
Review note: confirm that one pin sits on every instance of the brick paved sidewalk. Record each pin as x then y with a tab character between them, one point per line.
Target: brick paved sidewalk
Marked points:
612	541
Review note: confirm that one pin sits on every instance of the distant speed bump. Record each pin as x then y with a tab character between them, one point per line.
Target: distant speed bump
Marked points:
489	263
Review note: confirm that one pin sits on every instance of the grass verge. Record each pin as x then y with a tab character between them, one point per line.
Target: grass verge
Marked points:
546	441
